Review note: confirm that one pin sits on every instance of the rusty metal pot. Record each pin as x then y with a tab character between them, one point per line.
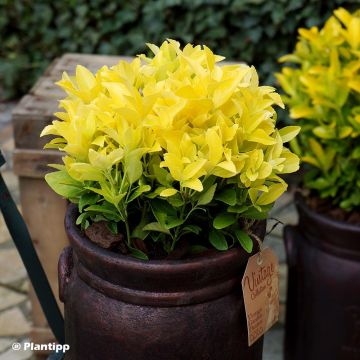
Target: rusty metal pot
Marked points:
323	305
117	307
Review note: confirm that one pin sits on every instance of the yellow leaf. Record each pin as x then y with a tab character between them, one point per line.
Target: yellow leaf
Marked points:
275	191
168	192
215	146
289	132
310	160
84	78
194	184
261	137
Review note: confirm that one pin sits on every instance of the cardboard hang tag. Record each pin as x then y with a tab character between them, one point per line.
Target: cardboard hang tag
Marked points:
260	286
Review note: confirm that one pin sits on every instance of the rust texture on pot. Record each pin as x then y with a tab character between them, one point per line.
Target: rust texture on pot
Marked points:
323	305
117	307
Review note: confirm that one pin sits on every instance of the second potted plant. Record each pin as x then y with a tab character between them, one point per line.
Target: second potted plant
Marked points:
323	93
172	164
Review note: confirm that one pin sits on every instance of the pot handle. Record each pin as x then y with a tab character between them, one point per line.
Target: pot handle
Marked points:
291	247
65	267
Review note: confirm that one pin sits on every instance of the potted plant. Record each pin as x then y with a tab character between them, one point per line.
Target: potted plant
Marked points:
171	165
323	93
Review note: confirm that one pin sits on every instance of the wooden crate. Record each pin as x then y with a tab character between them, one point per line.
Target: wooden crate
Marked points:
43	210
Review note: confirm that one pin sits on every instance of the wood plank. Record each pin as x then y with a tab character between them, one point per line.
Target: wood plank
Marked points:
45	87
51	66
29	117
69	61
44	212
33	163
39	106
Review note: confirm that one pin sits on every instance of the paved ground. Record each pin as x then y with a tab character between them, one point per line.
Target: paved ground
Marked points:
15	307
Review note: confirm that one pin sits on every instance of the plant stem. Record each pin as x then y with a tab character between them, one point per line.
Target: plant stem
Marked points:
128	235
178	228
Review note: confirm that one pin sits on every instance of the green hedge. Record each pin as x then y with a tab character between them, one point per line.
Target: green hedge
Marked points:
256	31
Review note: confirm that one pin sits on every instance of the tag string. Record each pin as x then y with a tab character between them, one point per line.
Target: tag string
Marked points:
261	247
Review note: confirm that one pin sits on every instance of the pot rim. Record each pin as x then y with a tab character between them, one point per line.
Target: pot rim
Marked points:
149	265
324	219
154	282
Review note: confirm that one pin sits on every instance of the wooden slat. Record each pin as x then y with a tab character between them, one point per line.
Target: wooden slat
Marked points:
29	117
32	106
68	63
44	213
45	87
33	163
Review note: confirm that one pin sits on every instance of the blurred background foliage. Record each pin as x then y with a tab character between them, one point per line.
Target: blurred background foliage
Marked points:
33	32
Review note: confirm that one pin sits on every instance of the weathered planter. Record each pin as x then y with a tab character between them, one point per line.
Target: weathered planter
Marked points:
117	307
323	305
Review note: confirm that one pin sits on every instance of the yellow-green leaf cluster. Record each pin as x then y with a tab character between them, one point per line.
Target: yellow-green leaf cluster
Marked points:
323	92
178	122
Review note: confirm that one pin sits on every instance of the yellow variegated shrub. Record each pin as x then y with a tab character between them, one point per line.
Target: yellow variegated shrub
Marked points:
323	92
150	142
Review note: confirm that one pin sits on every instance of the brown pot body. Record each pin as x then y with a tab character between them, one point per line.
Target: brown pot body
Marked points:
117	307
323	305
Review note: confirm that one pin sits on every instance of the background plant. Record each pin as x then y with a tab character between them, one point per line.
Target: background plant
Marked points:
34	32
150	143
323	92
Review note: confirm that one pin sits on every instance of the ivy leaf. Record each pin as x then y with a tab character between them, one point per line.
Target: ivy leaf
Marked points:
207	196
218	241
244	240
223	220
228	196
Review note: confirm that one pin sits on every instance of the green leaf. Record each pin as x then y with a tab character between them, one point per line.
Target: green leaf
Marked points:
253	213
175	200
223	220
218	241
88	199
228	196
192	229
155	226
112	226
237	209
138	254
244	240
81	217
64	185
141	189
102	209
206	197
172	222
138	231
162	210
